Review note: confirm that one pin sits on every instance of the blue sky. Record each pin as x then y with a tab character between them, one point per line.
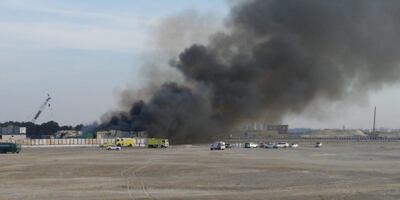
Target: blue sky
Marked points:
83	52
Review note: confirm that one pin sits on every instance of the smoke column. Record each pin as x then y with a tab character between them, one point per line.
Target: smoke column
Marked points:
277	57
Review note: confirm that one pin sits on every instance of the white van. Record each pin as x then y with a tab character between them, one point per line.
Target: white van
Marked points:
219	145
281	145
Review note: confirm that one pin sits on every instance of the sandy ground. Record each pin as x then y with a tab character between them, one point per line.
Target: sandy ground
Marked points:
336	171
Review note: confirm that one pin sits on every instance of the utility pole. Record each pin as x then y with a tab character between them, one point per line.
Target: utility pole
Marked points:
373	129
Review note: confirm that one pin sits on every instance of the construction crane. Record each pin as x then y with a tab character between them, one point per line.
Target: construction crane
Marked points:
45	104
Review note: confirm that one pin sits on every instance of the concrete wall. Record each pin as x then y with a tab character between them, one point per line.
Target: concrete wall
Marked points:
314	139
13	137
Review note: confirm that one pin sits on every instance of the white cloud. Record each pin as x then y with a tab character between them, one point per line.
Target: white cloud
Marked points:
113	18
102	32
74	36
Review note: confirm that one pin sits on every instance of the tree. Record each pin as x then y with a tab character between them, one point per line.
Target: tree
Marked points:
78	127
49	128
44	129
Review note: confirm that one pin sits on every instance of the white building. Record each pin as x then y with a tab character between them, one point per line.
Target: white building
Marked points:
12	133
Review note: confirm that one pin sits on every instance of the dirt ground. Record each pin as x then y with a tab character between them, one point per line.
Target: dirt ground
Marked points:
336	171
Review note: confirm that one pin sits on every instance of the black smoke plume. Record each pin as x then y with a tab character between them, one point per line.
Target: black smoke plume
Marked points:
276	57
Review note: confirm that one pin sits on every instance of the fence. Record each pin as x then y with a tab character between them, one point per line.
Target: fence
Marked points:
138	142
349	139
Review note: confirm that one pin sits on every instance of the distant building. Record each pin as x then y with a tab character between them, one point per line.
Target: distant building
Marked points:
281	129
257	126
299	131
259	130
68	134
12	133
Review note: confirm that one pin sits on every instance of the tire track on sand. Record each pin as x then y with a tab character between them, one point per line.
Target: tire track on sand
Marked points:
130	174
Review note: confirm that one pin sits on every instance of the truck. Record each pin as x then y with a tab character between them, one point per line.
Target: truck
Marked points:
6	147
125	142
157	143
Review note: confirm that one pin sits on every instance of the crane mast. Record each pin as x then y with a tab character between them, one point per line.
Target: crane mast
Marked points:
42	107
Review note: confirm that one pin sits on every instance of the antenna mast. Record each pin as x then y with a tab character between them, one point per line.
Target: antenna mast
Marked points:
373	129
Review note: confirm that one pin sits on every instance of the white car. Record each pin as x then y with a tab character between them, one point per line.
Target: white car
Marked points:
250	145
294	145
114	148
318	144
269	145
218	146
281	145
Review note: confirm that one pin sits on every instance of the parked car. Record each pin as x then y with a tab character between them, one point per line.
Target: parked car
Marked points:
294	145
250	145
262	145
318	144
269	145
281	145
219	145
228	146
114	148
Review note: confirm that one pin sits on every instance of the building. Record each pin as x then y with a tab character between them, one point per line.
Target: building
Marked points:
68	134
281	129
12	133
259	130
257	126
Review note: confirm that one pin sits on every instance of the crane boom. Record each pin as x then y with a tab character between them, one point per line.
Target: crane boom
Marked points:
41	109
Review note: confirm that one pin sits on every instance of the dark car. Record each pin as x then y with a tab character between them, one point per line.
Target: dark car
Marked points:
228	146
219	145
6	147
